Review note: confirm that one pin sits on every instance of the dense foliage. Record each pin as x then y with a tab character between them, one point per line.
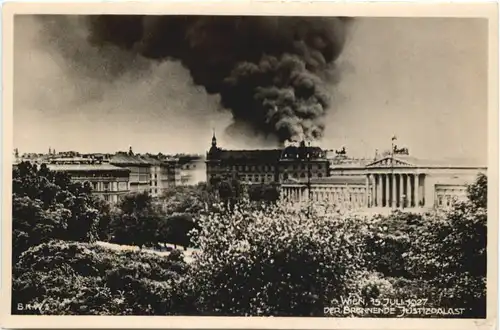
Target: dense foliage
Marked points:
252	258
449	252
183	207
274	261
136	221
69	278
141	220
264	192
440	255
47	205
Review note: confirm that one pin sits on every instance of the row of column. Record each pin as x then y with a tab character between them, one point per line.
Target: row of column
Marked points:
296	193
354	197
395	190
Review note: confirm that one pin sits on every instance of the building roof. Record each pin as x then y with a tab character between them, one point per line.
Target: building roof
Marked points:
85	167
122	158
69	159
151	160
343	162
184	159
410	161
269	155
302	152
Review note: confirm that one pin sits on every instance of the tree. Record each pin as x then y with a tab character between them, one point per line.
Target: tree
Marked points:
48	205
478	192
137	221
183	206
176	229
449	252
264	192
274	261
73	278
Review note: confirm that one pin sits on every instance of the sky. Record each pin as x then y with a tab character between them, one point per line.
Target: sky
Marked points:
421	79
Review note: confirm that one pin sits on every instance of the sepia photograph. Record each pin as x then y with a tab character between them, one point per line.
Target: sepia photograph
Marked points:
245	165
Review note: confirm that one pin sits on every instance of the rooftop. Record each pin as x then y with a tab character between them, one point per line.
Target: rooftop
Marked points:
122	158
410	161
270	155
85	167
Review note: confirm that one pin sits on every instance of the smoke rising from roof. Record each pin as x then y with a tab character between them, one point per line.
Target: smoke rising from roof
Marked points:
270	72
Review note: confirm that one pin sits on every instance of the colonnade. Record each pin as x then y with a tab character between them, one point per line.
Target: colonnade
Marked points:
352	196
395	190
297	194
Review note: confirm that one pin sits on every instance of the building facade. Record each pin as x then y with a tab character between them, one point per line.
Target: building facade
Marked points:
191	169
108	182
393	180
140	170
396	181
296	161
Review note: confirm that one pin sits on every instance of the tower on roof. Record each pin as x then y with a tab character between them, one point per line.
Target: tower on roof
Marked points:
214	139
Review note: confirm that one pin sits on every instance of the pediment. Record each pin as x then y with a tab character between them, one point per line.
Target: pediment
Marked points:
390	162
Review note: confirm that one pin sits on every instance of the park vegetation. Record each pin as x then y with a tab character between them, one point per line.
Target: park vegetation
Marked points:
255	255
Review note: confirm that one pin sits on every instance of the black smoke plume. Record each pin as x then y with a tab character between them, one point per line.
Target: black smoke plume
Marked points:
271	72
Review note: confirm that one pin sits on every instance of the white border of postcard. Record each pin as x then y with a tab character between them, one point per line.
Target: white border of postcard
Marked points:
373	9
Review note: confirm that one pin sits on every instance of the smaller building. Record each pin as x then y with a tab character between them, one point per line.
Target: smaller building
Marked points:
140	170
192	169
156	187
108	181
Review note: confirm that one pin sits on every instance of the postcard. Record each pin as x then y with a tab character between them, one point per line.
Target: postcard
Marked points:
250	165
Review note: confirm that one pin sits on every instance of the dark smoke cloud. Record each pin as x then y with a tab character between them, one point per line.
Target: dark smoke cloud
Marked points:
271	72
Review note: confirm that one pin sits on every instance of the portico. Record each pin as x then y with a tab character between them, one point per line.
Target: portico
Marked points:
392	182
389	189
395	183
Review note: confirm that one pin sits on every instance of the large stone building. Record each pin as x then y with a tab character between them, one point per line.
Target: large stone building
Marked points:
393	180
108	181
265	166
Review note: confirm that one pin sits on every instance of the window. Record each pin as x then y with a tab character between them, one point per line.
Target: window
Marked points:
94	185
106	198
106	186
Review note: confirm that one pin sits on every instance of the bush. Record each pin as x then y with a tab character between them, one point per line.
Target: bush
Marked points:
389	241
86	279
274	261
